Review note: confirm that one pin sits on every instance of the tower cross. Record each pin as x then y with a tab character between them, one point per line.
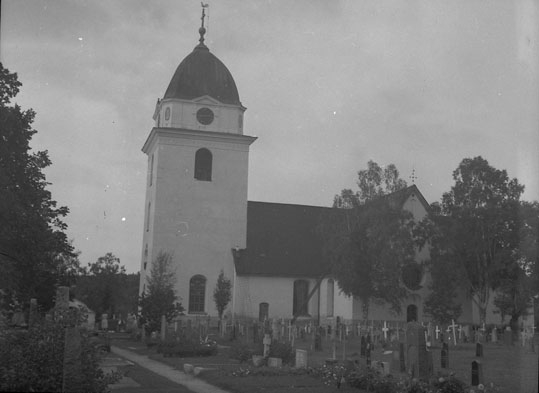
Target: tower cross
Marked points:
202	29
413	177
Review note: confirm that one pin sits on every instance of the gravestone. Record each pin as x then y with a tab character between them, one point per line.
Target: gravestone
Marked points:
61	304
402	358
301	358
318	341
104	322
445	356
266	342
419	362
494	335
363	346
275	362
477	373
508	336
479	350
368	354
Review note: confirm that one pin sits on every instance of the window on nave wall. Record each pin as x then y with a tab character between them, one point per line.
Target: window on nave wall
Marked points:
301	292
203	164
330	297
197	293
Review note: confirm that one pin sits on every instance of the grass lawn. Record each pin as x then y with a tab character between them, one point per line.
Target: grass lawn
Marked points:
512	369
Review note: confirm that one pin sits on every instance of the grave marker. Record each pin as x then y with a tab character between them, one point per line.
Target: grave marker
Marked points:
479	350
401	358
419	363
494	335
508	336
363	346
368	354
477	373
445	356
266	342
385	330
301	358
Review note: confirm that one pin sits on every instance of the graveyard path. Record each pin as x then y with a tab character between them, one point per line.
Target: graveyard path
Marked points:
144	374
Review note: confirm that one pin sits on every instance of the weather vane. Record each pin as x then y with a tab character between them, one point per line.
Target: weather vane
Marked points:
202	29
413	177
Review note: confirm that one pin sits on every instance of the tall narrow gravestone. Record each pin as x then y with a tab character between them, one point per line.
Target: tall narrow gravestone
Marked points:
445	356
418	359
401	358
477	373
479	350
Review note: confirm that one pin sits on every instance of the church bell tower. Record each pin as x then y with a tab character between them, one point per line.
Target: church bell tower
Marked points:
196	193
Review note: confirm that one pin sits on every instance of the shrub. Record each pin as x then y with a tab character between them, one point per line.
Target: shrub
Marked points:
242	352
187	347
282	350
33	359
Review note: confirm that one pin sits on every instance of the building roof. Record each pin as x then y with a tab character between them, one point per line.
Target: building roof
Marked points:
282	241
201	73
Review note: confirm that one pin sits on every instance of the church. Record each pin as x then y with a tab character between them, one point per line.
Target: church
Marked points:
197	210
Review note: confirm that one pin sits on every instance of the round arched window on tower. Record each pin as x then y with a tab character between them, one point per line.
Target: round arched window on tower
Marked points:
205	116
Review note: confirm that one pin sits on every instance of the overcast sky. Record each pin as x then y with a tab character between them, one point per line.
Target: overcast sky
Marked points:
328	85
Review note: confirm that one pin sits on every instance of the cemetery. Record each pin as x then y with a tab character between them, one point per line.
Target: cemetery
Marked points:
379	356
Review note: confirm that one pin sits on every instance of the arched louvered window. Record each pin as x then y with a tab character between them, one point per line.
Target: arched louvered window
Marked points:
301	291
330	297
203	165
197	293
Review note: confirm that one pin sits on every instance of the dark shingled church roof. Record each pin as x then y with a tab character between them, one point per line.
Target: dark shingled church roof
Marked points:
282	241
201	73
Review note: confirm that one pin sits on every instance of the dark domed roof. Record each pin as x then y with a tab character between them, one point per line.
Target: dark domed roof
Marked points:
201	73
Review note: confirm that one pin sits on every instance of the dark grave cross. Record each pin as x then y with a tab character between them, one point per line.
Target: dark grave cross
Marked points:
479	350
445	356
477	373
401	358
363	345
368	354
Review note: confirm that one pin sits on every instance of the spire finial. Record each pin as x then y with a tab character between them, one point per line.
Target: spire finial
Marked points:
202	29
413	177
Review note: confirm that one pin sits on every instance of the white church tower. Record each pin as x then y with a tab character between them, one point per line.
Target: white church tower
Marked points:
196	194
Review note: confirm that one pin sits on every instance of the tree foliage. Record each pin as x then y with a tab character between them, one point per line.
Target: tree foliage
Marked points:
160	296
105	287
33	244
222	293
476	228
368	238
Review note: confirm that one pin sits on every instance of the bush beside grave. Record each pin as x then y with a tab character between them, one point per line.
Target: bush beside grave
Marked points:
187	347
32	360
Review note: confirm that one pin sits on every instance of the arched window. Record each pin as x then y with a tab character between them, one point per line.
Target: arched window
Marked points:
203	165
411	313
330	295
301	291
263	311
197	293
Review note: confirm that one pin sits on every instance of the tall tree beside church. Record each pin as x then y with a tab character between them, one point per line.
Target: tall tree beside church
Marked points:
477	228
33	245
368	239
222	293
101	285
519	282
160	296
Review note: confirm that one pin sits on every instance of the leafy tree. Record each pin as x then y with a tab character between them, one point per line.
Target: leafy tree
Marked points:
33	244
518	281
442	302
476	229
105	287
222	294
368	238
160	297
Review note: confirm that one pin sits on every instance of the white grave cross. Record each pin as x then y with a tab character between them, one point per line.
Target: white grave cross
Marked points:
453	327
385	330
437	332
